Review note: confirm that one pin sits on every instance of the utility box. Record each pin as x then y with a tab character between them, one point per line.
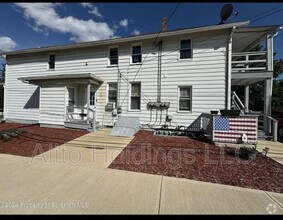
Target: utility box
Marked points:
114	113
169	118
119	109
110	106
158	105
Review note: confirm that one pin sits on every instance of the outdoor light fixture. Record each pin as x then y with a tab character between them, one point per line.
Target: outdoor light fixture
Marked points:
265	151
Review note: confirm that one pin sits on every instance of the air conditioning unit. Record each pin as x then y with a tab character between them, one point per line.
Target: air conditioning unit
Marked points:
110	106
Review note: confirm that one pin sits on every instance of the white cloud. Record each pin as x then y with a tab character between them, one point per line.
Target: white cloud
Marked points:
124	23
136	32
86	5
44	17
93	9
6	44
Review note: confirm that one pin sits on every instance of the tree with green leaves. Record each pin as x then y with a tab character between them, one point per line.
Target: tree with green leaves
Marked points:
2	73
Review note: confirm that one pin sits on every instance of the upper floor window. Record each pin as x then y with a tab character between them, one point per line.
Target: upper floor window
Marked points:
51	61
185	49
112	92
136	54
113	56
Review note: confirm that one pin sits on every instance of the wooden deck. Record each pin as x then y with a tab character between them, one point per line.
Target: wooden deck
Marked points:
100	139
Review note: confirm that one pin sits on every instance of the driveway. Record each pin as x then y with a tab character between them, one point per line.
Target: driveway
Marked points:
38	186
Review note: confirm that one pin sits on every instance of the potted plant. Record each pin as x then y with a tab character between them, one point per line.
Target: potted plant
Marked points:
248	153
214	112
230	112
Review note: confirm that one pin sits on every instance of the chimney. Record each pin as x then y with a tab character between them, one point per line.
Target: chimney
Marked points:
164	24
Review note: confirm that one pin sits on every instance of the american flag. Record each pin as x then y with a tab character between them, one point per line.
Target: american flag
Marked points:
230	129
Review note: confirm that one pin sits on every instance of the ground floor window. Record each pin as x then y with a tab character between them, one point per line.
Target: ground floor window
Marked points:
92	98
135	96
185	98
112	92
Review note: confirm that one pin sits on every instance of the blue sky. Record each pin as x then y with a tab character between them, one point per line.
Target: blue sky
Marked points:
30	25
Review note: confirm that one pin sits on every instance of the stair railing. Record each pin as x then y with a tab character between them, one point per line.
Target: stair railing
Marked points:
236	101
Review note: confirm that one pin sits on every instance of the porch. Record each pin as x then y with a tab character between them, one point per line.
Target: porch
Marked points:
248	65
68	100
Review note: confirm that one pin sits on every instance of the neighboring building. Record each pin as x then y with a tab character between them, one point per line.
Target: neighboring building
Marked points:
61	85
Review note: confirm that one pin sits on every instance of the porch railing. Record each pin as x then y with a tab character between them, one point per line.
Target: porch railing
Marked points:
249	61
79	114
274	129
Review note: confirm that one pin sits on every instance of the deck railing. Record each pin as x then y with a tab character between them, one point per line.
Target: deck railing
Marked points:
249	61
274	129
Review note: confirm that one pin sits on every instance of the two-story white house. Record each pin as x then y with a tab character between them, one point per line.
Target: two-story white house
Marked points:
186	72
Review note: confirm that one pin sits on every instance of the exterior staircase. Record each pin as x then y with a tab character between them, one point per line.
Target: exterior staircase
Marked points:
237	103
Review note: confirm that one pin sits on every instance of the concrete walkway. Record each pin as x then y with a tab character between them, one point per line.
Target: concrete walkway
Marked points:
275	152
37	186
97	149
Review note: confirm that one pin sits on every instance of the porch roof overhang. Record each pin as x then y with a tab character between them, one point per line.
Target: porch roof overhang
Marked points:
78	78
246	38
250	77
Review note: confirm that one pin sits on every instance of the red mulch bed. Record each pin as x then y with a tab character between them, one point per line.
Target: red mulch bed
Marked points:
35	139
191	159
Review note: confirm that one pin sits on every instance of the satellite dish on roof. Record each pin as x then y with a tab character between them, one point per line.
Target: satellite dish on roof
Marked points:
226	12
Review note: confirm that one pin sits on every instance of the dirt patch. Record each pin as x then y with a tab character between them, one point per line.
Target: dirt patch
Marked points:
33	140
191	159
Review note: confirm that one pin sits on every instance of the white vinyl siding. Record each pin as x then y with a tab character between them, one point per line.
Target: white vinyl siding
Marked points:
52	104
205	73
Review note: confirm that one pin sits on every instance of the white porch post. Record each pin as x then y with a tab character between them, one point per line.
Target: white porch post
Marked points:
88	100
247	97
268	85
229	72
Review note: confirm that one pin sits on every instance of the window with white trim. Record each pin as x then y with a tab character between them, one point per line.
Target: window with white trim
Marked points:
185	98
136	54
51	61
135	96
92	98
112	92
113	56
186	49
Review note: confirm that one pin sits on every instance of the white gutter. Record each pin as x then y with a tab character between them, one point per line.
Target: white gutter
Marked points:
127	39
229	69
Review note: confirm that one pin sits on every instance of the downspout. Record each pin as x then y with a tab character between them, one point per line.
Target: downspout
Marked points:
229	69
159	71
268	83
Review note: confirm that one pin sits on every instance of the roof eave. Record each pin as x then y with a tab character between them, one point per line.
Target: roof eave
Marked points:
126	39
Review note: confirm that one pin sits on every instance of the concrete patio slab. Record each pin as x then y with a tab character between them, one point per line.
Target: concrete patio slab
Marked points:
182	196
67	188
109	192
